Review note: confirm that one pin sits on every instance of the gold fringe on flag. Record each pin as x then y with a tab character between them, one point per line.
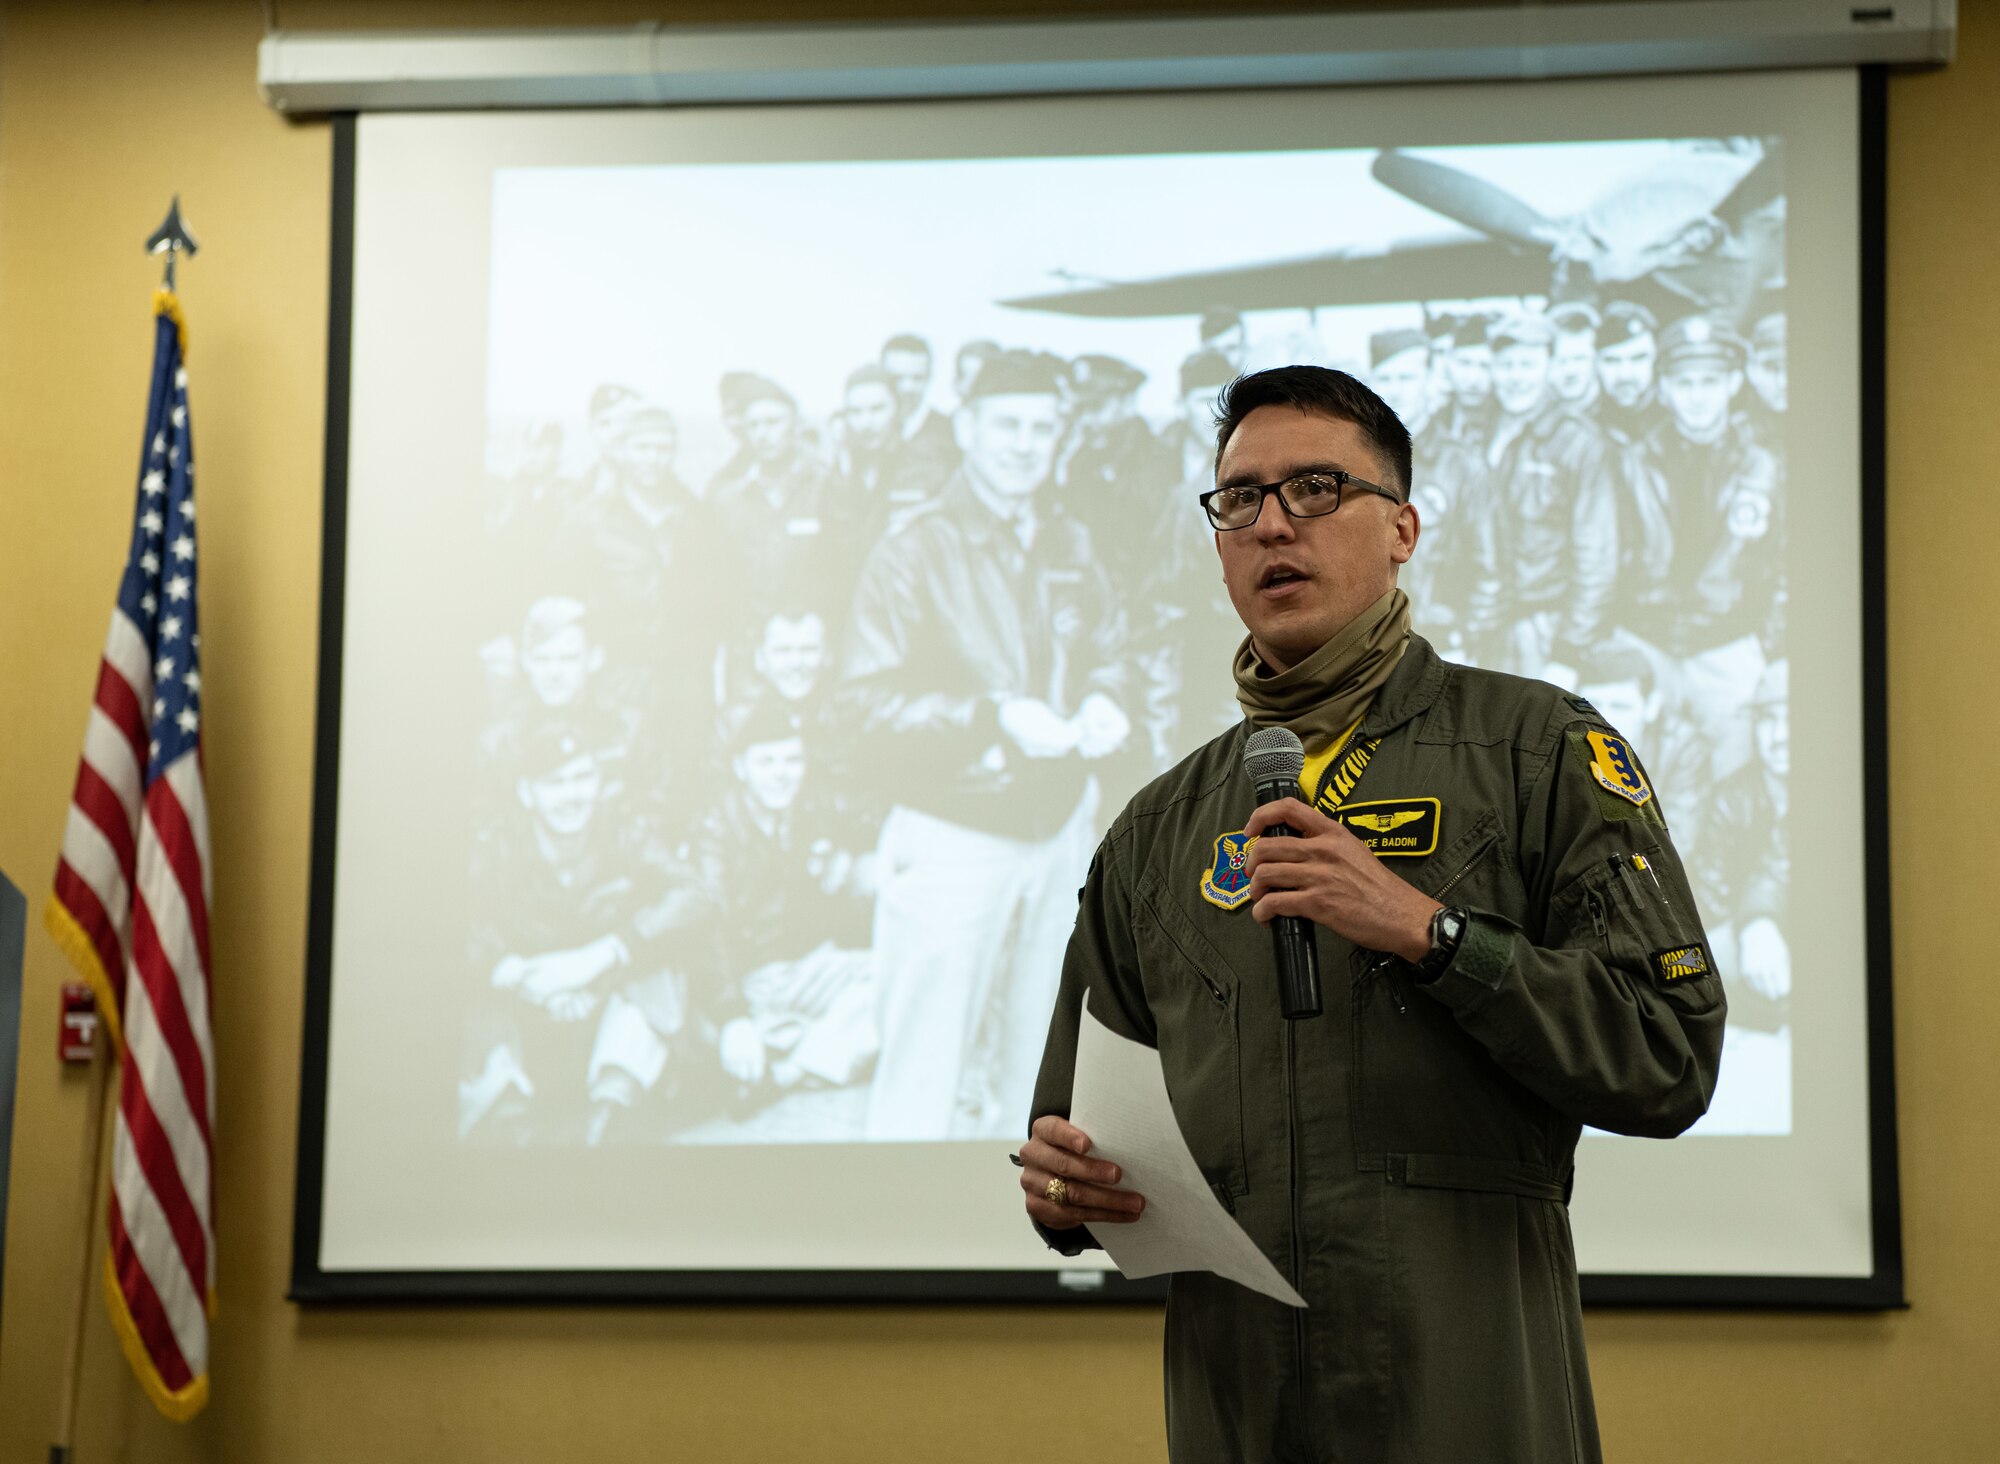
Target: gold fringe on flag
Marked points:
167	303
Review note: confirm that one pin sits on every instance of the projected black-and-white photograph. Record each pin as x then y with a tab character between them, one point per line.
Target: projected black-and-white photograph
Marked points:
855	578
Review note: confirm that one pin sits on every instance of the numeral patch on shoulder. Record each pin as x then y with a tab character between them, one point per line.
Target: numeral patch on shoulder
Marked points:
1682	963
1616	769
1613	769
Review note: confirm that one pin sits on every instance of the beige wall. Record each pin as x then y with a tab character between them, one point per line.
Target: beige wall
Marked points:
105	110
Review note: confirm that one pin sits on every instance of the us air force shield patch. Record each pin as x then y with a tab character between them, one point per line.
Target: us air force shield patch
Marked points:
1226	883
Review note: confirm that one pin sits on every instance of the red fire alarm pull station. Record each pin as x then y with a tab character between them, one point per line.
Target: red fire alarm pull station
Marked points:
78	1040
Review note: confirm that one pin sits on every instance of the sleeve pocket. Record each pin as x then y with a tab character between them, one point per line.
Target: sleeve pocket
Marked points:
1641	927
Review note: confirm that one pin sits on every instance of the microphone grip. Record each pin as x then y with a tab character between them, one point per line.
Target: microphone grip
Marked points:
1298	967
1292	941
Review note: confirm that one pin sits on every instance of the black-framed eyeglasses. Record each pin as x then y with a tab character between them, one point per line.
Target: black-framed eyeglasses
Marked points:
1304	495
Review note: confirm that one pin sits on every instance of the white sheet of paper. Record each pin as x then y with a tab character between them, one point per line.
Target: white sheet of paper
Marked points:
1120	1100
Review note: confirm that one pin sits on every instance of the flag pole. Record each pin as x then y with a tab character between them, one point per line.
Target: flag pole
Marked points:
173	240
103	1062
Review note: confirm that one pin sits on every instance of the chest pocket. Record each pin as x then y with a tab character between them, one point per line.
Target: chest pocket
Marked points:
1471	858
1192	992
1464	871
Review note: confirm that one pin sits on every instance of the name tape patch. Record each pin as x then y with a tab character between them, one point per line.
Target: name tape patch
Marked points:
1392	827
1681	963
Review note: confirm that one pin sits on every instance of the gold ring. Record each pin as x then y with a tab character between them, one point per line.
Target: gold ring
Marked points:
1056	1192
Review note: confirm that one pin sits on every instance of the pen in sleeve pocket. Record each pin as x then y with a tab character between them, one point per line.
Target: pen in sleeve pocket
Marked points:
1639	861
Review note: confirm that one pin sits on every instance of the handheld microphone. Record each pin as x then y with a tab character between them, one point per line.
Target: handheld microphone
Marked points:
1274	757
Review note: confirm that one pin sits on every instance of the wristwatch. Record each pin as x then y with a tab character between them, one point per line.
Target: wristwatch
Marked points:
1447	930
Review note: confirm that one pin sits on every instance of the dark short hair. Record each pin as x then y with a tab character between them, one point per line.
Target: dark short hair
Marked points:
909	343
1323	392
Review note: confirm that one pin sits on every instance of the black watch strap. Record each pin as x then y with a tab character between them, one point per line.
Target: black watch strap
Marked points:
1447	930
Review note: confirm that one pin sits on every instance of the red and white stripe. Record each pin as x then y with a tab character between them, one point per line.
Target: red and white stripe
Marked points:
135	879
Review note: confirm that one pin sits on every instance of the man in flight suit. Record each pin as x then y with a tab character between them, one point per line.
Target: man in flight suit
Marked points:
1519	958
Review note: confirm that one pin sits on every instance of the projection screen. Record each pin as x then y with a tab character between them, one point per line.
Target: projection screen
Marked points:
689	891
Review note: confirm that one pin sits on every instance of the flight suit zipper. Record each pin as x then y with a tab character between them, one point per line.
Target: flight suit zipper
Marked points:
1300	1339
1384	963
1466	868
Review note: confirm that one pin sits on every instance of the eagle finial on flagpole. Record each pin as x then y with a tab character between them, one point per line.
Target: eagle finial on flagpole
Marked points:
172	239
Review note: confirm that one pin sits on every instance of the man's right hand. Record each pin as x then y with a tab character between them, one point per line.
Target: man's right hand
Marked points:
1057	1150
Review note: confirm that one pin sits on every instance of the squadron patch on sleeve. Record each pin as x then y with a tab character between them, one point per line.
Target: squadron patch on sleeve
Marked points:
1682	963
1616	769
1394	826
1226	882
1607	760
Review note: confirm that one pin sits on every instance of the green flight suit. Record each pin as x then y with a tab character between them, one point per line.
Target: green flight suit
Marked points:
1404	1159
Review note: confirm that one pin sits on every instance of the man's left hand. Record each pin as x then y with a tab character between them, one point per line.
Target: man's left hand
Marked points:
1328	876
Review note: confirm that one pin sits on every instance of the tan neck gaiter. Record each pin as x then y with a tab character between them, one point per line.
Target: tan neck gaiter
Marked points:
1328	692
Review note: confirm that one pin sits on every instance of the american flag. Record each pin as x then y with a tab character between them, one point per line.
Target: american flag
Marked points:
131	910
